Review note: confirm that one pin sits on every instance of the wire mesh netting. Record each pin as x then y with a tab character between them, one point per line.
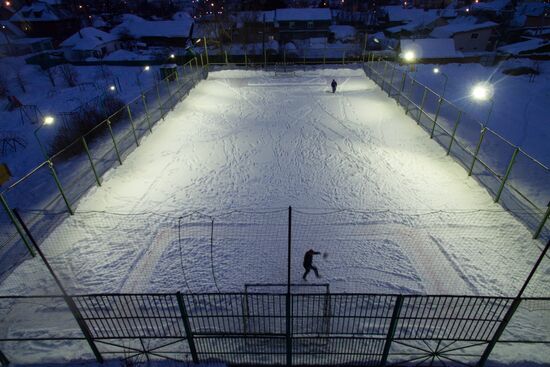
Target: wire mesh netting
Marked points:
518	181
472	252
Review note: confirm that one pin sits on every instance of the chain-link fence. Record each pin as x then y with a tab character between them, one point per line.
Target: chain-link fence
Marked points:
516	180
56	185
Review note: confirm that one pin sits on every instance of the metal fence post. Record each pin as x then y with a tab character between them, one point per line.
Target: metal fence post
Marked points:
91	160
4	361
436	116
413	81
114	141
288	294
508	170
512	309
60	188
70	303
391	330
383	74
481	135
160	102
16	224
454	131
421	111
146	112
132	124
187	327
542	222
391	80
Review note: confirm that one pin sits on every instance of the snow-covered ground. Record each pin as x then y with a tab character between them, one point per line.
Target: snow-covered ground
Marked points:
259	142
256	141
92	81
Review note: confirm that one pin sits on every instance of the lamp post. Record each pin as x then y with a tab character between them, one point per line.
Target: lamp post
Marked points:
484	92
436	70
145	68
409	57
48	120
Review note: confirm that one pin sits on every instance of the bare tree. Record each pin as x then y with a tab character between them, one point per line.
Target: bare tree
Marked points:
69	74
3	87
20	80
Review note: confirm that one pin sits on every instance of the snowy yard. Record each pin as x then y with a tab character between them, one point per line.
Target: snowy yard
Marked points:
258	141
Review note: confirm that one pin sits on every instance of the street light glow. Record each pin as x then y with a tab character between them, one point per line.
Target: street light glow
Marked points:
48	120
436	70
172	56
112	87
482	92
146	68
409	56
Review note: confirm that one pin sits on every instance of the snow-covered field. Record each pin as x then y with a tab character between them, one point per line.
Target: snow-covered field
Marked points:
394	213
252	140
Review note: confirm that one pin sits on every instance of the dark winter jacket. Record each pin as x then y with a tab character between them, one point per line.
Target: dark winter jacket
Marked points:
308	257
333	84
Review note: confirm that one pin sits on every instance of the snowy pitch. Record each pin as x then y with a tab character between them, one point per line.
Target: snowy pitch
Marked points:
257	141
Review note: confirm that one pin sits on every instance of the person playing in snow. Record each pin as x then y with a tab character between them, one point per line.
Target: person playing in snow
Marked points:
308	263
333	85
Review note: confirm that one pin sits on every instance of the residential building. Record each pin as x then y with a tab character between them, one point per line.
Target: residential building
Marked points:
89	43
468	34
302	23
431	49
154	32
40	19
14	42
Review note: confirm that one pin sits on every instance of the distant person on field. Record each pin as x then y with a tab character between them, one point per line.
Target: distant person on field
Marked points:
308	263
333	85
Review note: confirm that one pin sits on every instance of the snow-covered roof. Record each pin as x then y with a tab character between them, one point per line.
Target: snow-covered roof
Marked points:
525	10
303	14
254	16
98	22
88	38
525	46
343	32
397	13
431	48
494	6
538	31
138	27
124	55
182	15
11	29
39	12
460	25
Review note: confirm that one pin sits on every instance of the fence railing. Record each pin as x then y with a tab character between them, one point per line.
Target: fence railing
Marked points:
514	178
256	328
58	183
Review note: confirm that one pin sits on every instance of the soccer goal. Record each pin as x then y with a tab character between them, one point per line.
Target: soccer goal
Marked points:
264	308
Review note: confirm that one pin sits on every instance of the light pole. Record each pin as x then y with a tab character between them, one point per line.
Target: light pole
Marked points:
145	68
409	57
436	70
48	120
484	92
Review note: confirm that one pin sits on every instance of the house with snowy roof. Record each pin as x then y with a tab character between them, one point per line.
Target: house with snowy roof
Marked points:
154	32
89	42
405	22
40	19
468	33
14	42
250	25
302	23
533	46
430	49
532	15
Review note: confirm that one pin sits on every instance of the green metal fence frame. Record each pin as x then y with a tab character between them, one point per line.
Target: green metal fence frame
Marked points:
380	79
